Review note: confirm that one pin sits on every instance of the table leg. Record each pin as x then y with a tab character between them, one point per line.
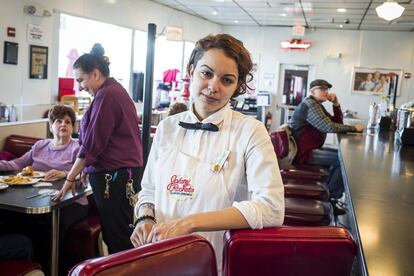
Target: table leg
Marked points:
54	265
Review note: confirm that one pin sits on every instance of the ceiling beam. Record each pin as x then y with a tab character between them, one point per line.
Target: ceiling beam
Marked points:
365	13
303	13
254	19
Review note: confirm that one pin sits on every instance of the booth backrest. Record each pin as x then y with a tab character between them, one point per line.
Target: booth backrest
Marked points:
19	145
185	255
289	251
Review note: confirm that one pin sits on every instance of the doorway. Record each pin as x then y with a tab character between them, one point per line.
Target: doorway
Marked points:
293	87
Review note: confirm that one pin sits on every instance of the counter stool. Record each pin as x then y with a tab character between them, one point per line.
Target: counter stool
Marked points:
293	251
285	150
184	255
307	190
307	212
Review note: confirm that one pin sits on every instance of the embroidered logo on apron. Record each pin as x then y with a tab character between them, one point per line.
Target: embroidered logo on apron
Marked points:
180	187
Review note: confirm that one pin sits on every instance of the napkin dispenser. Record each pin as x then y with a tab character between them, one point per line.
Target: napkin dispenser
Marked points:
405	126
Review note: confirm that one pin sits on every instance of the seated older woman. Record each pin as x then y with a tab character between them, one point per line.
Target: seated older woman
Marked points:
53	156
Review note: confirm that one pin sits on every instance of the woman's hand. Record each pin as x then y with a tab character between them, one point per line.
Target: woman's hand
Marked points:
69	185
84	179
171	229
141	233
54	175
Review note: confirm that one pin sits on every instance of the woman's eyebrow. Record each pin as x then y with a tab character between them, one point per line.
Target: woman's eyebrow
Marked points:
227	75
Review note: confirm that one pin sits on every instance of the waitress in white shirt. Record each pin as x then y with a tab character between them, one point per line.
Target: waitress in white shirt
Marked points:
210	168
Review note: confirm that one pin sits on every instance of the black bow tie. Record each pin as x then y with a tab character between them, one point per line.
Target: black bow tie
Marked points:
209	126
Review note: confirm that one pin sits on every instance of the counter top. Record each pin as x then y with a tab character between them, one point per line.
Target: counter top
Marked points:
380	177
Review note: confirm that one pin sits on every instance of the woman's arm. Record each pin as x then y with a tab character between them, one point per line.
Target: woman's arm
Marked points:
18	163
24	160
77	168
145	205
228	218
102	123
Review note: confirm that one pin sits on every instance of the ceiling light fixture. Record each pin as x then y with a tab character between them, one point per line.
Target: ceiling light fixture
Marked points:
341	10
236	21
283	14
390	10
215	11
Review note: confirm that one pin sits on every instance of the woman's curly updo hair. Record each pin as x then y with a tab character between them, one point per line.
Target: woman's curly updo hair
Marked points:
234	49
59	112
94	60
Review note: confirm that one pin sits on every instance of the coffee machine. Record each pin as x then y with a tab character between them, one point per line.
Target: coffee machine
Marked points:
405	124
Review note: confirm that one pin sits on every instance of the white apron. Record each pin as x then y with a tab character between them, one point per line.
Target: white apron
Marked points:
186	185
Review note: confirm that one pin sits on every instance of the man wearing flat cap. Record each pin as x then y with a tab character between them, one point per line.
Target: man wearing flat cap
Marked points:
310	122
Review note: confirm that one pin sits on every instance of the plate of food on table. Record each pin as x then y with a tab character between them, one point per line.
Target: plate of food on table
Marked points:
29	172
3	186
18	180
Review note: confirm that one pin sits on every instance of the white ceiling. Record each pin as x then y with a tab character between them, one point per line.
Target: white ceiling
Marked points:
360	14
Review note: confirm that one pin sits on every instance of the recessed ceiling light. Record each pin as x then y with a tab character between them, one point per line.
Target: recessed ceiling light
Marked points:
283	14
236	21
341	26
214	12
341	10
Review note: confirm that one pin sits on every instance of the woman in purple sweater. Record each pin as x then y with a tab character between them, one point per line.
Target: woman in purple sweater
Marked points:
110	149
54	156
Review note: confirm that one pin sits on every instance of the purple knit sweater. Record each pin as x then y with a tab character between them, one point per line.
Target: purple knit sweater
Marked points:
44	157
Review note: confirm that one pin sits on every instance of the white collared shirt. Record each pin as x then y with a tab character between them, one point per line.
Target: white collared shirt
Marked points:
251	171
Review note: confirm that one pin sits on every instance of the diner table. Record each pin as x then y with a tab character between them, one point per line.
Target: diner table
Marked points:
379	178
15	198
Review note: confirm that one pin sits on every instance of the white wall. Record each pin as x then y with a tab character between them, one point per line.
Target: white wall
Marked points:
37	95
392	50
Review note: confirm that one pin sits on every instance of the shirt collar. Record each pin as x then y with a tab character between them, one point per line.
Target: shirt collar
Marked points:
216	118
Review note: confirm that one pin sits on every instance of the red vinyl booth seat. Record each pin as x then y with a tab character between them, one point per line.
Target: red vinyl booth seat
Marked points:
86	234
293	251
185	255
82	238
19	145
19	267
307	212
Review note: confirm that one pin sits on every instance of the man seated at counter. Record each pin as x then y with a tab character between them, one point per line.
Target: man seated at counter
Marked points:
55	157
310	122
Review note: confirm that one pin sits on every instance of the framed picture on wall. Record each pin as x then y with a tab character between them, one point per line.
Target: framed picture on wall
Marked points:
38	62
11	50
375	81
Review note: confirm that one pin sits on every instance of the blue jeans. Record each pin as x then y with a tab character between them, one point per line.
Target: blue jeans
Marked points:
329	158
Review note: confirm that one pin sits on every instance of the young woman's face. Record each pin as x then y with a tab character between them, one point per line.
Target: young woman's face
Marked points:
86	81
62	128
213	82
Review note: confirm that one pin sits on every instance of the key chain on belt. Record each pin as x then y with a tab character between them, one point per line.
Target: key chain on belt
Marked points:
108	178
130	192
